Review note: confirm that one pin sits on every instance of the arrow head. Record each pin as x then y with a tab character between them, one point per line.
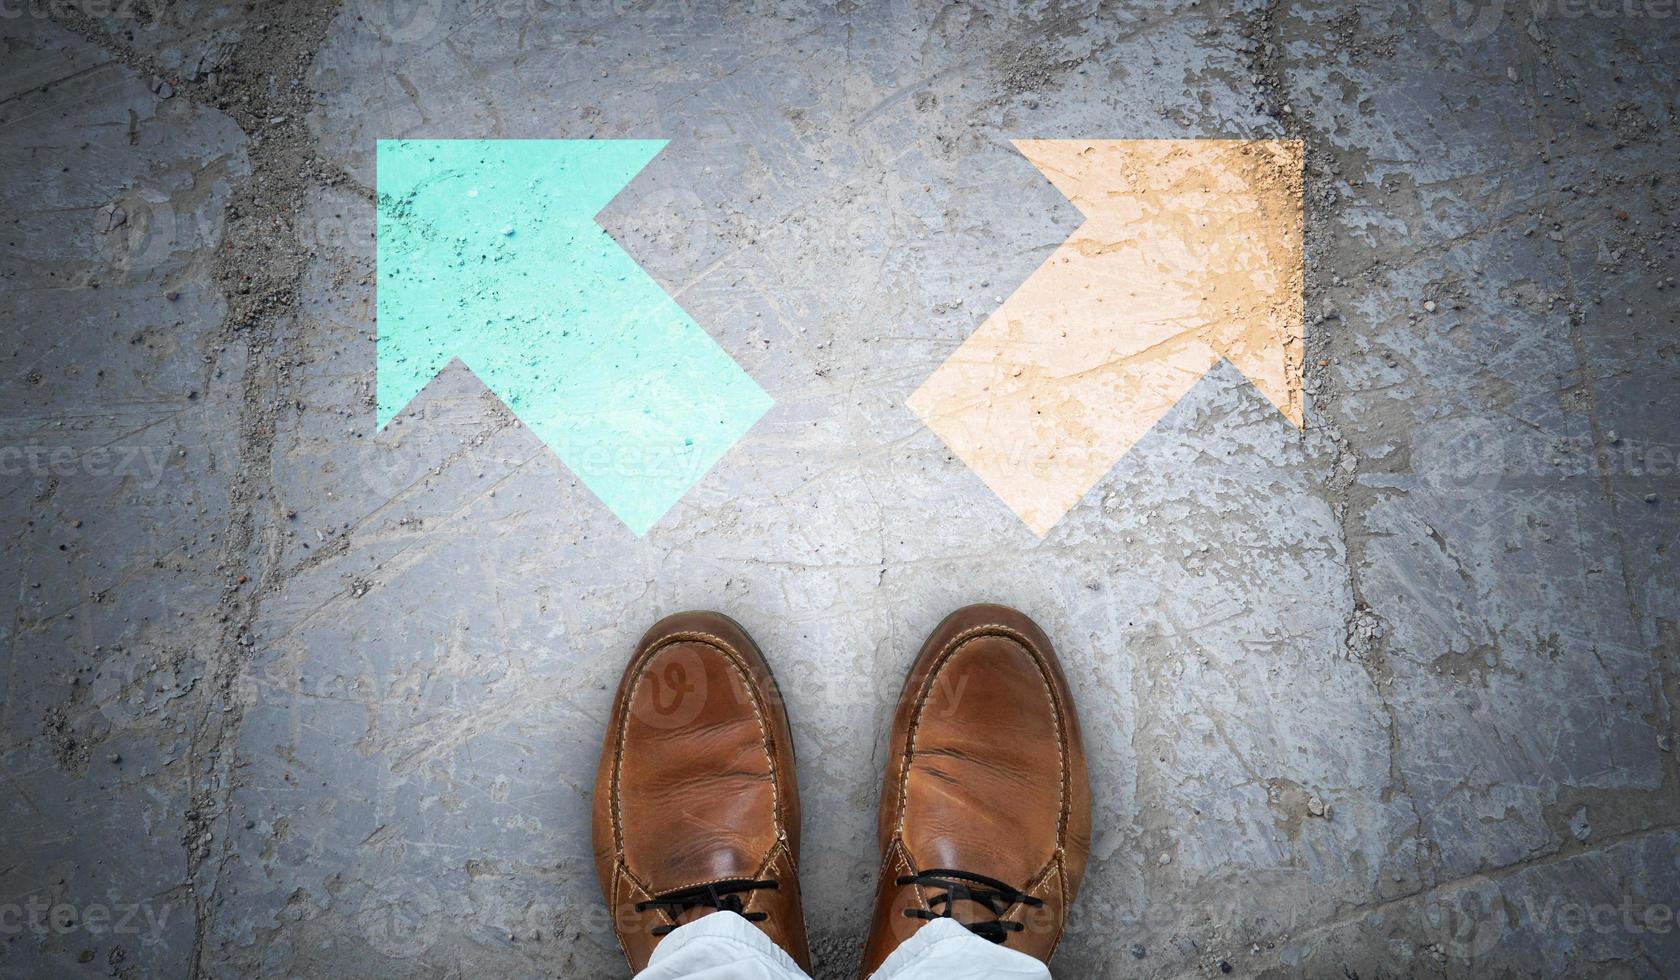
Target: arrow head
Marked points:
489	252
1190	252
445	207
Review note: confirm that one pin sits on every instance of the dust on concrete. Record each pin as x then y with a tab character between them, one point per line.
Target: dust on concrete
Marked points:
261	85
259	82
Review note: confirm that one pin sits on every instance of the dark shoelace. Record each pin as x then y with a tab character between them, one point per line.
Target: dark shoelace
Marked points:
960	886
725	896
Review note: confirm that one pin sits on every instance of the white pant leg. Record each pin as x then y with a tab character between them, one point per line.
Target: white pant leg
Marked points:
944	950
720	946
724	946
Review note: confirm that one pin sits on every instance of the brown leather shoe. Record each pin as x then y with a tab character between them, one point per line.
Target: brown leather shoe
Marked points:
986	812
696	808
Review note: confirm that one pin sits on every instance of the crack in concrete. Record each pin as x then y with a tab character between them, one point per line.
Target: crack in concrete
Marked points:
1365	635
1367	910
259	273
260	319
1535	45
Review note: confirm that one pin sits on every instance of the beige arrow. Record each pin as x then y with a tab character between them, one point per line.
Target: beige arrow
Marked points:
1190	252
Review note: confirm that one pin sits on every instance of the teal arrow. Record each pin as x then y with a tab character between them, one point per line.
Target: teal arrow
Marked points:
489	252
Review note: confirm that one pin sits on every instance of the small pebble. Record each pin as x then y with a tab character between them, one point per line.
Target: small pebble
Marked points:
1429	305
1138	952
1650	498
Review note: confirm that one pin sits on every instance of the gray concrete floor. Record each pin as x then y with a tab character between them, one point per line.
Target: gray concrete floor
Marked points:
286	697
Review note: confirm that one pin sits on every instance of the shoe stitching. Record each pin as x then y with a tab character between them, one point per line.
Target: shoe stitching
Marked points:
1061	924
763	868
776	852
1034	883
622	874
939	662
902	853
735	660
618	903
793	873
897	857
